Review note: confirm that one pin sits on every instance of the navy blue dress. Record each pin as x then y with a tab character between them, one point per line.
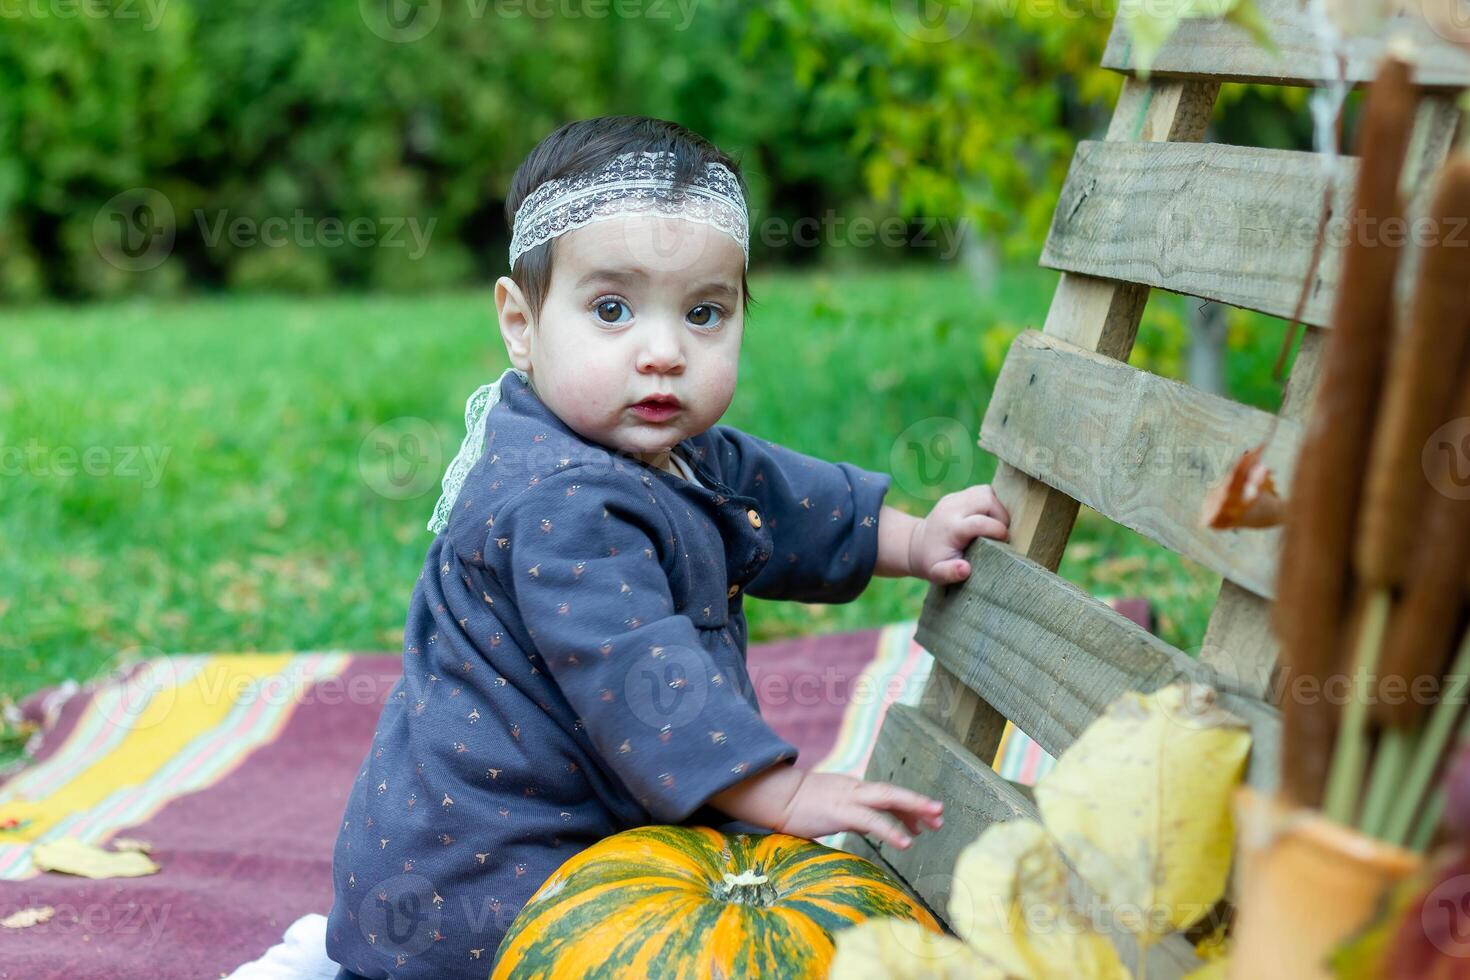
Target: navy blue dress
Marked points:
574	666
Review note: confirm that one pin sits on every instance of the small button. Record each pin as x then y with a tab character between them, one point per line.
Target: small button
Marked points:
754	518
731	593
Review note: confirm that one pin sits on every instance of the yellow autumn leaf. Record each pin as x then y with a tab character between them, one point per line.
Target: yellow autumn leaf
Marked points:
1213	970
71	856
898	949
1009	902
1140	806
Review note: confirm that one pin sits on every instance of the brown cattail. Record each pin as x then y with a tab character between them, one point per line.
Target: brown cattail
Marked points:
1421	630
1401	520
1419	392
1313	581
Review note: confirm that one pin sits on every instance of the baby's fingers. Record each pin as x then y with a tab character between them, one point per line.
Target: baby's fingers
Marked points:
878	825
886	796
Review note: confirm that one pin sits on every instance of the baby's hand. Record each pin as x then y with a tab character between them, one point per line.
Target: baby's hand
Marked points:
937	548
827	803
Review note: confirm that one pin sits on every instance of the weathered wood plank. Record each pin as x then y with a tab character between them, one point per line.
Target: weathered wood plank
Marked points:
1101	315
1223	52
1238	642
1140	449
918	754
1051	658
1234	224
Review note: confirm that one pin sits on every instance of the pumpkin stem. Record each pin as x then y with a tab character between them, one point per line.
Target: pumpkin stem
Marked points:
748	888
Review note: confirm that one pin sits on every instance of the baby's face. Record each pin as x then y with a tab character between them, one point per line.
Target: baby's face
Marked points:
640	306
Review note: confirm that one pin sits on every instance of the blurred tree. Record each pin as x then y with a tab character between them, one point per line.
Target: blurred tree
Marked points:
146	145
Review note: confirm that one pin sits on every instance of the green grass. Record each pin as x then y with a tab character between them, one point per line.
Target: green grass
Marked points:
214	499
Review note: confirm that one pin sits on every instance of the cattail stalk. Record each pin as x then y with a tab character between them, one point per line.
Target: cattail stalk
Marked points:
1350	757
1432	745
1313	585
1418	399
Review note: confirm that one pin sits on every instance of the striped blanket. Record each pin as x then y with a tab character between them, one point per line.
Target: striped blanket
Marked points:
235	768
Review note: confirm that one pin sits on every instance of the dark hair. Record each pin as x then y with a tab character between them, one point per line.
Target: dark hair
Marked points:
586	145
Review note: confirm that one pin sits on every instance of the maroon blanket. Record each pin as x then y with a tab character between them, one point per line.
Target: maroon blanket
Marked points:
248	856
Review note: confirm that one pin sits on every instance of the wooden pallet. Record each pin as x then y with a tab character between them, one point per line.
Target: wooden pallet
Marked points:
1071	422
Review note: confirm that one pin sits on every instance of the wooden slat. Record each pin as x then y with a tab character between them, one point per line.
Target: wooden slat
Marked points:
1101	315
1238	641
1211	48
1140	449
918	754
1234	224
1051	658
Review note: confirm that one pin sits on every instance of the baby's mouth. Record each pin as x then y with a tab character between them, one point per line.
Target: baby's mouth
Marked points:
658	408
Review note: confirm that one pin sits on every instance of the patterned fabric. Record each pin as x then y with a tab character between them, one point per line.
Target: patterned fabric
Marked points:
574	665
175	726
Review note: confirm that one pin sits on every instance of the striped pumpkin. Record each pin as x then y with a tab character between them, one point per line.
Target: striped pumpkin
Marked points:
693	902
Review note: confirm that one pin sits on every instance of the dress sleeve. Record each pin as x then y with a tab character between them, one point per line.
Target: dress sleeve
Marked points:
586	570
823	518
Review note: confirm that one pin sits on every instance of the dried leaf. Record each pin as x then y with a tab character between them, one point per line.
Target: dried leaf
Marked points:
897	949
1140	806
25	918
1010	903
71	856
1246	498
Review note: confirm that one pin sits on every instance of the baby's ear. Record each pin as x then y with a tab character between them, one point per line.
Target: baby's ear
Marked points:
516	321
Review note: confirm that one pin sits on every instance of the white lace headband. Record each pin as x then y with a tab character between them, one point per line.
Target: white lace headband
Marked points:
633	183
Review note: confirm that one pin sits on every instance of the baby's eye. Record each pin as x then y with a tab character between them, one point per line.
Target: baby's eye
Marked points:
612	311
705	315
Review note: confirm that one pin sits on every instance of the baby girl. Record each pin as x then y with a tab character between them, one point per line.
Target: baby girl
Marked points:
574	654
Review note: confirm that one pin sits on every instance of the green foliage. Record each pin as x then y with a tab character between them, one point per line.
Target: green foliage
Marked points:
240	114
973	113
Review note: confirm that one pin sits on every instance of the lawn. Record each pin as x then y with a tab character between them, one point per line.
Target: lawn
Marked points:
198	475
